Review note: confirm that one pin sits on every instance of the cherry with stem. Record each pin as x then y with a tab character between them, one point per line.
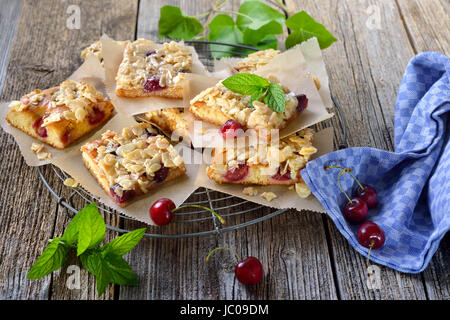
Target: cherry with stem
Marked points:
355	210
162	211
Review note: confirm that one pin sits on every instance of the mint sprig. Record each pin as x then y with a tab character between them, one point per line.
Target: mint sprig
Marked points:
84	234
257	87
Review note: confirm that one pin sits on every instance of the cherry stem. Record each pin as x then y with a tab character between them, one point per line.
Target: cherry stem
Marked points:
368	256
222	220
223	248
340	187
349	171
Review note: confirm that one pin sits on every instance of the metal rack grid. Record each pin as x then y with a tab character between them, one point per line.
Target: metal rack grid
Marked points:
205	197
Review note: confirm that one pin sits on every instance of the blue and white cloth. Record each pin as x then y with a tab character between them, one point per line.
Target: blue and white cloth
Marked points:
413	183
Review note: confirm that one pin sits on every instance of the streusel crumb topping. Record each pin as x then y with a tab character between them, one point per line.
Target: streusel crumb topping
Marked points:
72	100
95	49
141	61
256	60
131	158
290	154
237	107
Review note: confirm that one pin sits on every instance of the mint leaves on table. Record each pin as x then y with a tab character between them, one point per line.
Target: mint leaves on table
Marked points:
255	86
304	28
256	24
84	234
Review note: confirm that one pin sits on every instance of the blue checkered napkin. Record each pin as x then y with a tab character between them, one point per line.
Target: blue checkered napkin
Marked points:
413	183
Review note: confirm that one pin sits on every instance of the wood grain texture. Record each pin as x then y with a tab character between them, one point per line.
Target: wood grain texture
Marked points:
427	23
42	55
9	16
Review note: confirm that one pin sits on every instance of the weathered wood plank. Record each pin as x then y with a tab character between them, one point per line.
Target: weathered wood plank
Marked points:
9	16
45	56
428	24
292	246
365	68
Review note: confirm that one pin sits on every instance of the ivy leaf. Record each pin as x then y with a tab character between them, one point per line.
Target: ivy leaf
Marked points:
51	259
305	27
91	229
174	24
275	98
256	14
223	29
246	83
123	244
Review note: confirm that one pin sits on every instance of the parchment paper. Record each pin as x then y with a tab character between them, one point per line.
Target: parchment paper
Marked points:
112	57
323	141
312	54
291	69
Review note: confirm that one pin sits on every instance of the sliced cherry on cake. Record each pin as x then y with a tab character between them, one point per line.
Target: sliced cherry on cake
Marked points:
41	131
282	177
152	84
302	102
238	173
96	116
126	194
161	174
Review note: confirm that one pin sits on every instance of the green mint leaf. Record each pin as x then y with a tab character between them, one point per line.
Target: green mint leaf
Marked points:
91	229
245	83
174	24
257	96
305	27
256	14
107	268
120	271
94	263
51	259
123	244
275	98
223	29
70	235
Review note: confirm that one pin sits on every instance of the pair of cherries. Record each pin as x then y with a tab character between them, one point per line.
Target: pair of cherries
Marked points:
365	197
248	271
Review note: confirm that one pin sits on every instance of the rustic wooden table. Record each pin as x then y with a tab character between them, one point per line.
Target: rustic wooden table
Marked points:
304	255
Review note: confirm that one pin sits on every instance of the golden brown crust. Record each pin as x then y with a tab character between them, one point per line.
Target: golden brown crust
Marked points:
61	133
169	120
136	159
169	92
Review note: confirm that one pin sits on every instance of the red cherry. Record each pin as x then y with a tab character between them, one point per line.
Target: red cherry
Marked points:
249	271
368	194
302	102
152	84
230	129
96	116
282	177
161	211
238	173
150	53
41	131
161	174
355	211
126	194
371	235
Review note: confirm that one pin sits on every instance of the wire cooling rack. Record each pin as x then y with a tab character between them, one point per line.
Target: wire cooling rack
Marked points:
188	222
